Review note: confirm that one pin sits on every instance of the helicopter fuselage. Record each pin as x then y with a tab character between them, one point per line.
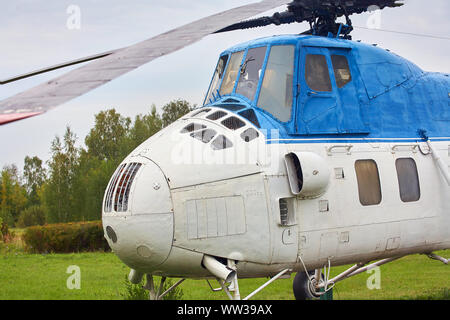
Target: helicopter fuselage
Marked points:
308	151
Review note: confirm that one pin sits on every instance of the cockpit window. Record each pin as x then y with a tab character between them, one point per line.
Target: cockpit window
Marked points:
277	87
341	70
251	71
217	78
317	74
231	73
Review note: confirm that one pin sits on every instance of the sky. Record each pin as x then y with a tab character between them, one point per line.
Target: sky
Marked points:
40	33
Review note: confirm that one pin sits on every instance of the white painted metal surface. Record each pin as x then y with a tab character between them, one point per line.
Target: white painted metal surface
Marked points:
232	210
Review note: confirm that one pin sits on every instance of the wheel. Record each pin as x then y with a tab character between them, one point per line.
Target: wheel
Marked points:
303	288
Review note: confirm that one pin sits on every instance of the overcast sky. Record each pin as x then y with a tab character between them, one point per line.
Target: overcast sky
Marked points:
34	34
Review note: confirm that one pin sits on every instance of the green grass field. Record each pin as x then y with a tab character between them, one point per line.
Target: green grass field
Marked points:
34	276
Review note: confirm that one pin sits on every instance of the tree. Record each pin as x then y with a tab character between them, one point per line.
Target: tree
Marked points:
175	110
144	127
13	195
90	184
105	139
31	216
34	177
58	194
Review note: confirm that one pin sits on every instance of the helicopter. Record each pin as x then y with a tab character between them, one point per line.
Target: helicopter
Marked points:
310	151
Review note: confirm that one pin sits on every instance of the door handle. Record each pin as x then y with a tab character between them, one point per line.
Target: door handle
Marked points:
320	94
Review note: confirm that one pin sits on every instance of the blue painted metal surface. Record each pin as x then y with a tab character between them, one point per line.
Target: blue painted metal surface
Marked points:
388	99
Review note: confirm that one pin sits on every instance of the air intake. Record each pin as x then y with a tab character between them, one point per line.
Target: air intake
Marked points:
308	174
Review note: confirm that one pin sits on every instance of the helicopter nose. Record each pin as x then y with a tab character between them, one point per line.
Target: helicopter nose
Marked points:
141	236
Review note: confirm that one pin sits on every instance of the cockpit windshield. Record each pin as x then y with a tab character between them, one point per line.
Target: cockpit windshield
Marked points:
276	93
231	73
251	71
217	78
277	88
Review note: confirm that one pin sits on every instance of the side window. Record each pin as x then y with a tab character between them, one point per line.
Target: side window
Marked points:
369	185
317	75
408	179
231	74
217	78
277	87
341	70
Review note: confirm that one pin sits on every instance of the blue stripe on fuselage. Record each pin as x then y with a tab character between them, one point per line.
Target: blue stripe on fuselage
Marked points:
362	140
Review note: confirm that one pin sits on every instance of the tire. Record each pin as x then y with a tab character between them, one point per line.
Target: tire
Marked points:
302	286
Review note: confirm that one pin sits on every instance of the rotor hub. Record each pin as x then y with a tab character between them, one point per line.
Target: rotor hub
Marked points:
321	15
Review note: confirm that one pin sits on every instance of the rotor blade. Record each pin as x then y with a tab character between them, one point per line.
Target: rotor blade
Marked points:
7	118
86	78
56	67
276	19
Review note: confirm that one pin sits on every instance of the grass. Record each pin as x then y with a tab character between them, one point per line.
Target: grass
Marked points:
26	276
33	276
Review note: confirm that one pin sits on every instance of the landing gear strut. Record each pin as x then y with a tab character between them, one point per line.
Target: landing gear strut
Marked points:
155	293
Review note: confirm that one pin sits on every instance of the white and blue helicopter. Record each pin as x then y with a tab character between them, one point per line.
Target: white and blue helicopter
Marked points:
310	151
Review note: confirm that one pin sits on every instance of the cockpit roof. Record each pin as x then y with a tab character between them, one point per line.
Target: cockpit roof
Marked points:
316	41
306	40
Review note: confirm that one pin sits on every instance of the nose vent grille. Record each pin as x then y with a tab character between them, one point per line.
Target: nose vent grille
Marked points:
123	179
230	107
205	136
250	116
216	115
193	127
201	112
123	188
112	187
249	135
233	123
231	100
221	142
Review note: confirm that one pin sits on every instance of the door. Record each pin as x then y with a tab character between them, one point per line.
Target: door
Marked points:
345	81
328	100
